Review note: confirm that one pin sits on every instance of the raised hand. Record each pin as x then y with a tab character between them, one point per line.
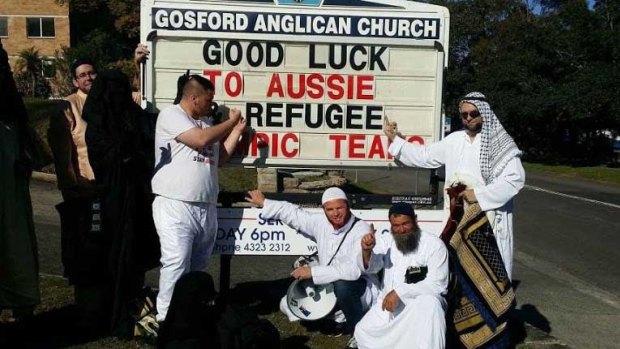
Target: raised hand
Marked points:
234	115
256	197
368	240
141	54
241	124
390	128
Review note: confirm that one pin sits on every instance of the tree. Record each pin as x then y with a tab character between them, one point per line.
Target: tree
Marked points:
29	61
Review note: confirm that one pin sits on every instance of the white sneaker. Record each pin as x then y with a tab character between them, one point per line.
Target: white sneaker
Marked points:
352	343
147	327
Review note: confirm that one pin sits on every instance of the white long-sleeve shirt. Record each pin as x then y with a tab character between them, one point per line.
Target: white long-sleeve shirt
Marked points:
316	227
461	156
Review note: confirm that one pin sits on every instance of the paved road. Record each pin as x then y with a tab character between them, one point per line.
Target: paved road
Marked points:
566	258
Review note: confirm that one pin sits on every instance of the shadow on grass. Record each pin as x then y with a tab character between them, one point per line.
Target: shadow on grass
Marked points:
262	296
295	342
56	328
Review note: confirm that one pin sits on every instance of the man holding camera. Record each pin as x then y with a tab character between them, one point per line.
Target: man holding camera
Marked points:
410	310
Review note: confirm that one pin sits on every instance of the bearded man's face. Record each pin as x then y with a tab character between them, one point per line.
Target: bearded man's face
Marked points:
406	233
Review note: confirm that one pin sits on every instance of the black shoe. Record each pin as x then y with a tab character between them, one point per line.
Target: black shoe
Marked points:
335	329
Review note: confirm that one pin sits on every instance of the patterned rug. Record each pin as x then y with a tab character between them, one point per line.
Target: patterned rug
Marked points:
483	293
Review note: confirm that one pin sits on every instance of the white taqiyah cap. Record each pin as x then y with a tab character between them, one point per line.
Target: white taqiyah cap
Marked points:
333	193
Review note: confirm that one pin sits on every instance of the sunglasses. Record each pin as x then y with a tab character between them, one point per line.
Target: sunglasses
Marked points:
91	74
474	114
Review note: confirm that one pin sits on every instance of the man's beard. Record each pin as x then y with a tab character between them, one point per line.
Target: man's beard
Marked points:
407	243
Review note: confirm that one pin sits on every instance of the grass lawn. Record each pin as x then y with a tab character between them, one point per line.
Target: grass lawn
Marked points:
597	174
53	323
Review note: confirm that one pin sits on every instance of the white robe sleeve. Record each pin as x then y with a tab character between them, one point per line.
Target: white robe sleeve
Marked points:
436	281
377	257
292	215
416	155
503	188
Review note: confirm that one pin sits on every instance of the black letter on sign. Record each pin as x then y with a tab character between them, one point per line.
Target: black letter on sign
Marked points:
237	59
332	56
308	115
375	57
313	63
274	111
271	60
254	110
255	46
353	115
374	113
212	56
362	65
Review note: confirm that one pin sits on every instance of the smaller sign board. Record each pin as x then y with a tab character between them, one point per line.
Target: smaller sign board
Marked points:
245	231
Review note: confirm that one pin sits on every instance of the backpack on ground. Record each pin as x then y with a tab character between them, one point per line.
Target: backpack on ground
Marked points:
240	328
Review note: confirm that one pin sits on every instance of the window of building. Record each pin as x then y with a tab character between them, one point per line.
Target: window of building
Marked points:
4	26
40	27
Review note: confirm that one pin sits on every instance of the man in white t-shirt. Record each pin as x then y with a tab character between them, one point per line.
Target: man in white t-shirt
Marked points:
189	145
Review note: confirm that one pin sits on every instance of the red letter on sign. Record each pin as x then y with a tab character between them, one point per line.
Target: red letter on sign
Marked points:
356	142
211	75
415	139
238	84
275	86
334	86
285	150
364	87
290	86
315	86
259	141
338	143
376	148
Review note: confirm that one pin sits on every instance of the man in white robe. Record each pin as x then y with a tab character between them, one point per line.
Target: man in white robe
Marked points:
337	233
410	310
483	155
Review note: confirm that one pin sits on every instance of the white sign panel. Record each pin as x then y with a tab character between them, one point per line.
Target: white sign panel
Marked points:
316	85
247	232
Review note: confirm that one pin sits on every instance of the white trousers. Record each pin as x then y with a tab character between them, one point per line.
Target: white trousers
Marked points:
187	234
420	324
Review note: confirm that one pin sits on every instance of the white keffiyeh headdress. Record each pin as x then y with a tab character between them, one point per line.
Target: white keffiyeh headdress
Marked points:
497	148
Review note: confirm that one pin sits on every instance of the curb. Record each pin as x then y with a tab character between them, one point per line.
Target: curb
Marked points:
44	177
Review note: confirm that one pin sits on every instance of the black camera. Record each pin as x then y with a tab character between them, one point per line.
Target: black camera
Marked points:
415	274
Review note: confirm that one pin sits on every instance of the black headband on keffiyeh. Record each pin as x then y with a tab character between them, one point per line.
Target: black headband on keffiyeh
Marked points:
497	148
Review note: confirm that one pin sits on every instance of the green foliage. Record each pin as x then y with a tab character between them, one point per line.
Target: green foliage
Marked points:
29	74
552	76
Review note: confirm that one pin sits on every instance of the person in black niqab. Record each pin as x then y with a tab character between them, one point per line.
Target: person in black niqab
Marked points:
120	139
19	265
192	315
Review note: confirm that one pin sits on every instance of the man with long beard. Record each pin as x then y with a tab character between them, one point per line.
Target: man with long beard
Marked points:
410	310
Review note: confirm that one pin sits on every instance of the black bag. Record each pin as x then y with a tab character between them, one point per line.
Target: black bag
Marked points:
415	274
240	328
